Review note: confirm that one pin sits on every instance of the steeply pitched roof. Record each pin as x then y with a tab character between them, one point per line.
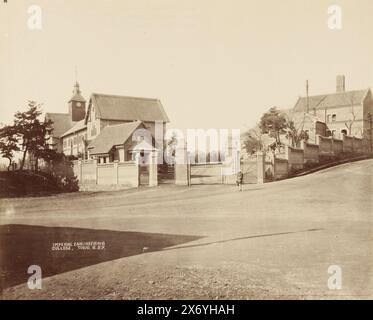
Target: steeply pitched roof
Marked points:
111	107
78	126
77	96
112	136
346	98
61	122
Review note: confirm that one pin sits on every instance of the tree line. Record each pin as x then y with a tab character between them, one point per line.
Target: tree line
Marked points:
28	135
275	123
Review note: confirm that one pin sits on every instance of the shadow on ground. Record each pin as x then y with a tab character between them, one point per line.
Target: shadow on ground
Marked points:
26	245
241	238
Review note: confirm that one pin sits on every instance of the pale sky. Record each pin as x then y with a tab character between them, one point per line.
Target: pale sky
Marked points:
212	63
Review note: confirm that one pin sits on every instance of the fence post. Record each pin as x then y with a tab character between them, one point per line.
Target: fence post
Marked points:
182	167
80	171
261	166
189	169
96	169
115	175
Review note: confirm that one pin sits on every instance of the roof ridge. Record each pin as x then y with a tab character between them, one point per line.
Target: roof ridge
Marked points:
334	93
122	96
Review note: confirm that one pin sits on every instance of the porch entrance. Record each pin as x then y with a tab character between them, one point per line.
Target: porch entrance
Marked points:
145	156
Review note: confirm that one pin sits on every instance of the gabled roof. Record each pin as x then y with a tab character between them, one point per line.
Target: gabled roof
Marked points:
142	146
61	122
113	136
78	126
112	107
346	98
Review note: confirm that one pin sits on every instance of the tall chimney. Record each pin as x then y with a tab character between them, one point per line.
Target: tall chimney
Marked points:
341	83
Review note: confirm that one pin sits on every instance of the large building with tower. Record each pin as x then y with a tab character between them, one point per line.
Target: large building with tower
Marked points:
103	128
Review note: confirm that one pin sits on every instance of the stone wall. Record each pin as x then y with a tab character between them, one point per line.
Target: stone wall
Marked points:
295	158
281	169
325	145
348	144
337	146
311	153
90	173
327	149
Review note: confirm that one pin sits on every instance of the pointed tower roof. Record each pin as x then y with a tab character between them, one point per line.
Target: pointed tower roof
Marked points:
77	96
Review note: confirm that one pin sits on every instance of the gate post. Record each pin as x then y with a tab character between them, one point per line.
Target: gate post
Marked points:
182	167
153	169
261	166
137	163
80	171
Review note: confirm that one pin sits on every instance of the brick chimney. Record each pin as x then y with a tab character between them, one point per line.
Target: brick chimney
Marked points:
341	83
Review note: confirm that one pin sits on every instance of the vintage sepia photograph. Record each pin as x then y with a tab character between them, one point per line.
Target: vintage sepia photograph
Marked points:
186	150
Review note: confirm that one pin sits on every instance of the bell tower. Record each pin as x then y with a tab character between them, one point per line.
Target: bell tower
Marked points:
77	105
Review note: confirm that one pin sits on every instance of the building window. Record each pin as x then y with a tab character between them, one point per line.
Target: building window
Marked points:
334	117
344	131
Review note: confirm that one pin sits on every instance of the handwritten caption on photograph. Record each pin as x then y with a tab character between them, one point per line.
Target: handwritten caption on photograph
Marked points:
81	245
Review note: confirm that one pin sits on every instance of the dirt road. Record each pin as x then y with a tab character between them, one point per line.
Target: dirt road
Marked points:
270	241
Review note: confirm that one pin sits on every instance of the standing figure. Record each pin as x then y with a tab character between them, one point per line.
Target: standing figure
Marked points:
239	179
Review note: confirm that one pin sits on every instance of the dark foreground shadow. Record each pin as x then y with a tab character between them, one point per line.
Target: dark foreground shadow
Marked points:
24	245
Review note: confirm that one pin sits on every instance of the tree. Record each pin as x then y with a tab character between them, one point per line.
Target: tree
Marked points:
170	146
273	123
253	140
295	135
349	123
8	143
295	123
33	134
